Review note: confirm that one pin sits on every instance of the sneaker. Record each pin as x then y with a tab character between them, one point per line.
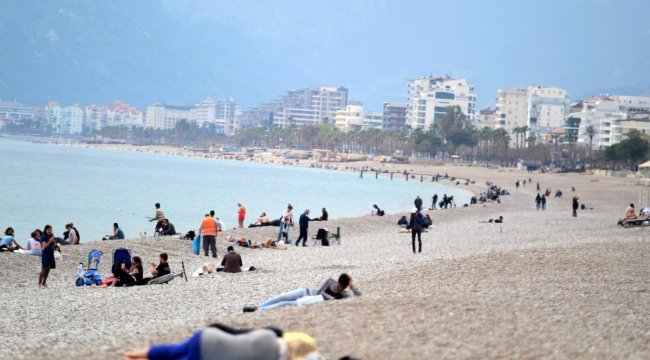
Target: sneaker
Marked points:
250	309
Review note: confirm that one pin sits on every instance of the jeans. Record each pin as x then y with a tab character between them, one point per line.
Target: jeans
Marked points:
284	226
285	299
303	236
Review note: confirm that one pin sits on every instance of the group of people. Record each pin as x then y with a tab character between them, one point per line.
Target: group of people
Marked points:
125	275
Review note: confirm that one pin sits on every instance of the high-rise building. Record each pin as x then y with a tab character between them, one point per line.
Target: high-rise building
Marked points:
611	118
394	116
116	113
429	98
15	112
309	106
539	109
225	114
66	120
165	117
353	118
486	118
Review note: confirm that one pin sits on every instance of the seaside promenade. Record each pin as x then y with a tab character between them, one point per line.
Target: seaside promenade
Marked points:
541	285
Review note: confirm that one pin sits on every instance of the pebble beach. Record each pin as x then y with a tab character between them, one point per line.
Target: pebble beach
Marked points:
541	285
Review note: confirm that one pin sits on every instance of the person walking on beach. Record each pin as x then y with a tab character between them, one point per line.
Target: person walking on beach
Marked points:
538	201
241	215
575	206
208	230
285	222
303	221
159	216
538	188
543	202
416	224
434	201
48	242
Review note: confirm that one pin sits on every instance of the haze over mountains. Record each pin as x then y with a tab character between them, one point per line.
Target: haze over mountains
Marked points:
181	52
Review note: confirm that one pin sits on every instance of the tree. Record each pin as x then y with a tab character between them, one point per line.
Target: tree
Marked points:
590	131
456	128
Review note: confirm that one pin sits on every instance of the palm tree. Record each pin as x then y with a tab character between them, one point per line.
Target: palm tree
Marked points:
590	131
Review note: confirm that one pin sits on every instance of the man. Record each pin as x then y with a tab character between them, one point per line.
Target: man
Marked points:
157	270
231	262
330	290
418	203
167	228
159	216
575	205
208	230
434	201
118	234
304	225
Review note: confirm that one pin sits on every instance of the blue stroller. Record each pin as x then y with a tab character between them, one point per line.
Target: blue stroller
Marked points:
89	275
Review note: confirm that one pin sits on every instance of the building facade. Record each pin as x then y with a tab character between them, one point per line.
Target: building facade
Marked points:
67	120
166	117
394	116
224	113
15	112
116	113
354	118
429	98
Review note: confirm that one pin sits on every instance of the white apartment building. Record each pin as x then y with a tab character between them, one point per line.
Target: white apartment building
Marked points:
429	98
165	117
226	114
114	114
310	106
394	116
540	109
354	118
611	117
12	111
66	120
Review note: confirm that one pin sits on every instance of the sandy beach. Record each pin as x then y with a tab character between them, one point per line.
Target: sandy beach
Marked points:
541	285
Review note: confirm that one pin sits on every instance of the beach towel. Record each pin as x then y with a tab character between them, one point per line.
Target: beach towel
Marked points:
196	245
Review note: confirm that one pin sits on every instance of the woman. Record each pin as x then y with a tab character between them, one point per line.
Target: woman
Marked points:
136	268
285	223
9	242
219	342
416	224
241	215
34	244
48	243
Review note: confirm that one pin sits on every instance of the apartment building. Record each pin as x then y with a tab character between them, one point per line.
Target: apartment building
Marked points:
64	120
353	118
429	98
394	116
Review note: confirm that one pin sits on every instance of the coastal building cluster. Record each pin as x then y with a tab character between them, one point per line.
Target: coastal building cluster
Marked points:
541	113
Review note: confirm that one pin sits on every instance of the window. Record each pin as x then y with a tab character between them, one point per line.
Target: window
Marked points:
444	95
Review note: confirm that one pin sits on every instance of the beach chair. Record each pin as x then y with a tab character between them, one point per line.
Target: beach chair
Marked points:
336	237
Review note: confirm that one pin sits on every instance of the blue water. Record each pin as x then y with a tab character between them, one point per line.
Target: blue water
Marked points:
48	184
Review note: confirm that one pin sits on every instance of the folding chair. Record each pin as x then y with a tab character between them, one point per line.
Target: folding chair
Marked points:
336	238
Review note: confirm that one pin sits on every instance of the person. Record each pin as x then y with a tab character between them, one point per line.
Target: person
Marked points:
243	242
575	206
208	230
220	342
261	221
418	203
543	201
324	215
403	221
48	243
167	228
71	235
231	262
498	220
375	211
158	216
538	201
122	275
157	270
33	243
118	234
241	215
303	223
137	270
9	243
285	222
416	224
268	243
630	213
330	290
434	201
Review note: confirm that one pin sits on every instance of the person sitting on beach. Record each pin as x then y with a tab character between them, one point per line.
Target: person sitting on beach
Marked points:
33	243
231	262
167	228
263	219
121	275
498	220
375	210
137	270
630	213
403	221
330	290
222	342
157	270
118	234
324	215
9	243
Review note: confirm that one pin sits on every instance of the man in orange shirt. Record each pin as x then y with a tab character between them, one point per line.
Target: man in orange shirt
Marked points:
208	230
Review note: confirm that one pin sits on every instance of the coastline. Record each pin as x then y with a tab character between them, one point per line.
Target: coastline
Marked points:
543	284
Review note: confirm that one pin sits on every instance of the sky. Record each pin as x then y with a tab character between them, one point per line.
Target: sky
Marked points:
181	52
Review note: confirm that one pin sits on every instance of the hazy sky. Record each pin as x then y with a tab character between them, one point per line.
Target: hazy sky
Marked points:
180	52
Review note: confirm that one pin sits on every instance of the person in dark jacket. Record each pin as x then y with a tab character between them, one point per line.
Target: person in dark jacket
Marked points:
575	205
416	224
304	225
231	261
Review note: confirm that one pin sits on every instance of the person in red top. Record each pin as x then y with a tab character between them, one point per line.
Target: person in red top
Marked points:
241	215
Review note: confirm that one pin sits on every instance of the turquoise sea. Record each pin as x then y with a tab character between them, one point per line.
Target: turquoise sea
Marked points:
49	184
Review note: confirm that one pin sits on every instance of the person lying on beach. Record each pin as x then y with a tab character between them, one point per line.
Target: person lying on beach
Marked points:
243	242
269	243
330	290
498	220
157	270
9	243
220	342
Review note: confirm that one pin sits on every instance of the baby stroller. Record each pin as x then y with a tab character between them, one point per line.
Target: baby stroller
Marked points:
89	274
120	256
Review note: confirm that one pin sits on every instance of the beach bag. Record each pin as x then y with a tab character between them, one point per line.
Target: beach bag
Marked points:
196	245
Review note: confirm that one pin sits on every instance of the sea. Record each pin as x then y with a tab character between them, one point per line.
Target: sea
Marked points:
52	184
